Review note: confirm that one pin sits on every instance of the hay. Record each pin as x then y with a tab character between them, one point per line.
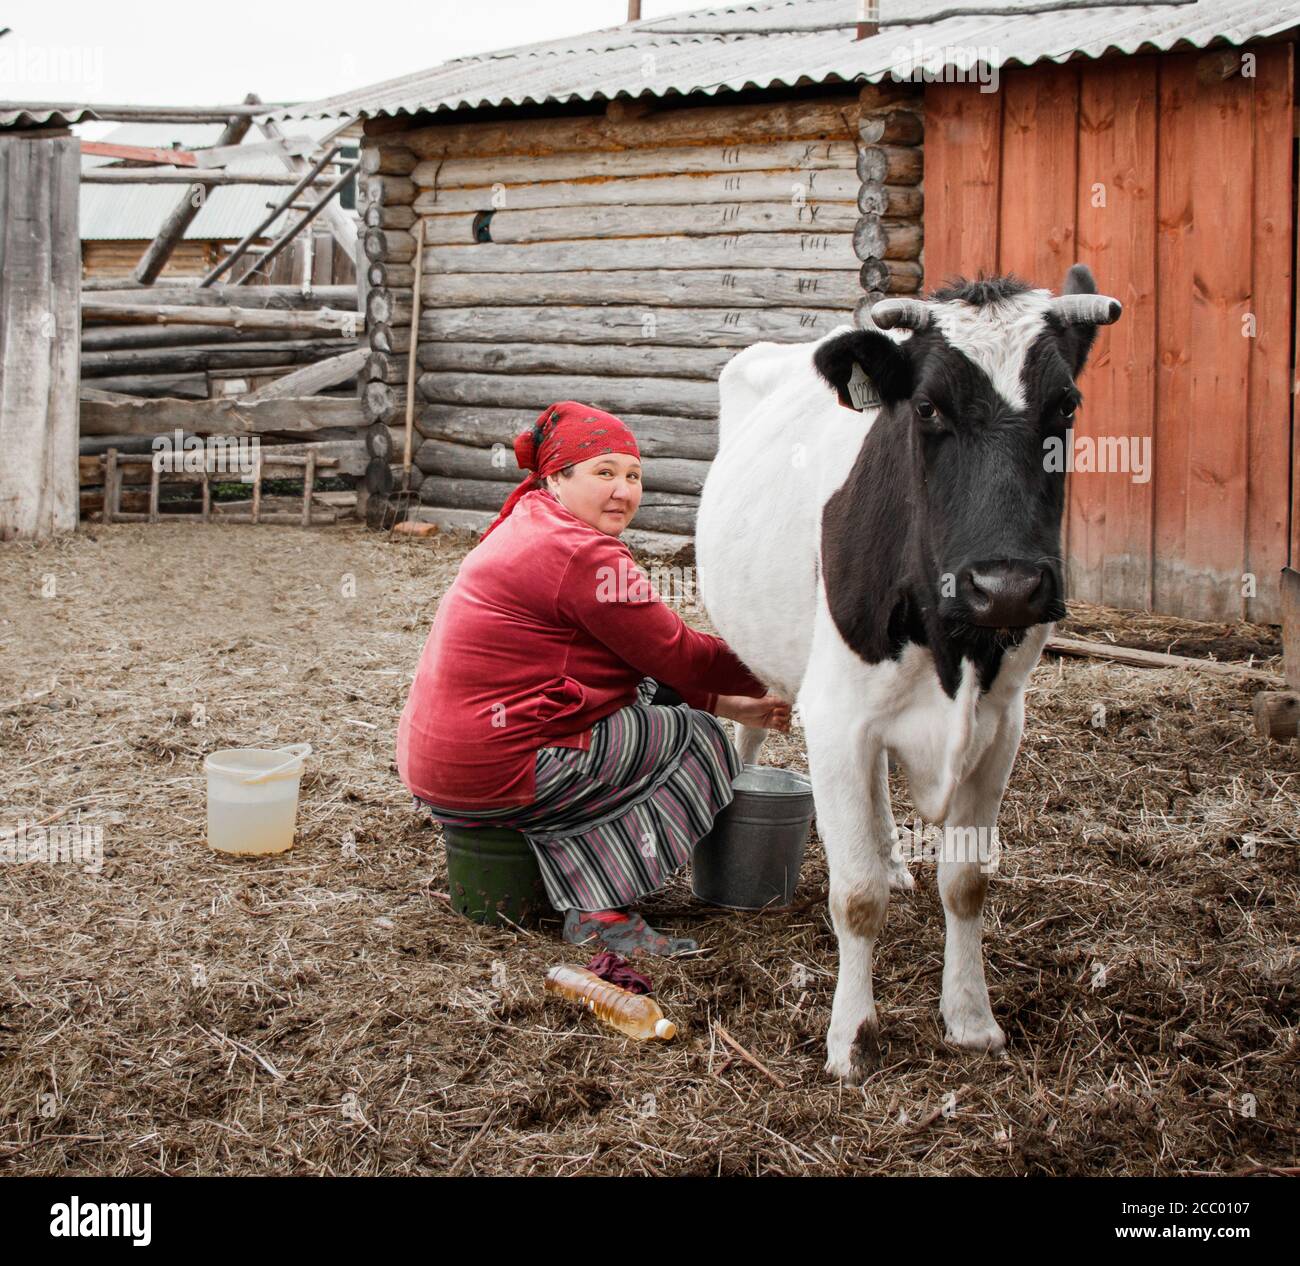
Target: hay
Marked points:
326	1013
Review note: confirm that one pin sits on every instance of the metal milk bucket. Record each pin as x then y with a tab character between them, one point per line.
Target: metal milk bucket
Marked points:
751	857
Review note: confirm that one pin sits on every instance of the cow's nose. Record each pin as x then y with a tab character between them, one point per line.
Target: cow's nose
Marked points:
1006	595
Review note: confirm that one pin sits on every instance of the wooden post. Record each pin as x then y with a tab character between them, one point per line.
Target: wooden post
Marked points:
308	482
415	347
206	512
257	485
155	480
159	251
112	486
40	324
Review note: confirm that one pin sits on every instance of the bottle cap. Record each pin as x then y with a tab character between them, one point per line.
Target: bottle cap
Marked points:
665	1029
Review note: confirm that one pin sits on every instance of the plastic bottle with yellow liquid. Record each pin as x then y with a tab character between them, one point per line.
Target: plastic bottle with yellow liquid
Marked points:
634	1014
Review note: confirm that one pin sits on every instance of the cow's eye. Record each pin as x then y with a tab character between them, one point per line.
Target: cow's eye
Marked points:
1069	403
925	410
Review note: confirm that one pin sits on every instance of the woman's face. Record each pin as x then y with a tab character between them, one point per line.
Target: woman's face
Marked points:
602	491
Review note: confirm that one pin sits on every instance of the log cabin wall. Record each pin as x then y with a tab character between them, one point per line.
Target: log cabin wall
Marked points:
621	259
1172	178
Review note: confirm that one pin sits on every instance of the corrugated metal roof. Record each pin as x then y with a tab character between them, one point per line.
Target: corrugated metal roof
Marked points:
131	211
760	48
46	118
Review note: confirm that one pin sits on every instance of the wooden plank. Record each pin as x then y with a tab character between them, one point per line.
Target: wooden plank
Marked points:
962	157
512	173
321	320
139	153
40	270
1155	659
676	396
656	287
1290	612
1269	481
218	417
315	377
745	250
644	326
814	185
1177	142
485	427
707	219
1217	428
1110	515
829	118
560	358
436	458
1039	164
190	293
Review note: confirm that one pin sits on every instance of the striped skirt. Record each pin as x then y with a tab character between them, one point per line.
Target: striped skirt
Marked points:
609	825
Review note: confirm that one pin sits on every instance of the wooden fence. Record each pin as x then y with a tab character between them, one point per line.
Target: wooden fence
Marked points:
1171	177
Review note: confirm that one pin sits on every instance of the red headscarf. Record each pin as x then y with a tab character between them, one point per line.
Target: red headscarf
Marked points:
564	434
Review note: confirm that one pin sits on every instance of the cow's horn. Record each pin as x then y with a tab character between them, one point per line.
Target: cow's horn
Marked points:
907	314
1087	309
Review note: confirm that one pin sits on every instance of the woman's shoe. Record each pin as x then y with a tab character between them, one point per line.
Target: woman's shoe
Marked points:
624	932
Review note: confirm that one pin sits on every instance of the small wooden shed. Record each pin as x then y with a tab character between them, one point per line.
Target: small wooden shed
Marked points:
610	218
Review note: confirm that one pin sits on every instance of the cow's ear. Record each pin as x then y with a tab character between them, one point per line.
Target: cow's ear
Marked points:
875	356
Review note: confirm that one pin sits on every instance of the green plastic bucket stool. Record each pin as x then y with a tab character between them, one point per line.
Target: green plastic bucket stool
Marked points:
493	876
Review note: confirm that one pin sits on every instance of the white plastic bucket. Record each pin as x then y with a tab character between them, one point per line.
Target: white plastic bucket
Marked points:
253	798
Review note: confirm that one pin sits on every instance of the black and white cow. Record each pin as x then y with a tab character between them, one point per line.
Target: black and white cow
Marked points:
896	568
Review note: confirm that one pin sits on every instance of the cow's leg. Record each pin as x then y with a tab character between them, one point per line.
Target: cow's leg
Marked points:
843	781
963	884
749	741
884	830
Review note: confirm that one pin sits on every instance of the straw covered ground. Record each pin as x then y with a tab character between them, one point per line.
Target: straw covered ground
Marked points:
324	1012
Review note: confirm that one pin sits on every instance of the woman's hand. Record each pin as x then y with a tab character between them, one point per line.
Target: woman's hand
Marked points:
768	713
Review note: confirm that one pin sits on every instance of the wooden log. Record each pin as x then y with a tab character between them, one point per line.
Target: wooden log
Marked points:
635	325
676	396
823	119
377	216
316	377
516	172
384	338
91	501
892	127
1277	713
378	440
144	113
379	477
890	165
40	276
801	251
875	238
188	176
807	184
562	358
388	307
389	246
654	544
388	191
382	367
894	202
485	427
319	517
176	360
182	214
1154	659
416	475
891	276
155	386
219	417
661	474
107	338
386	160
382	403
392	276
190	294
660	287
321	321
557	224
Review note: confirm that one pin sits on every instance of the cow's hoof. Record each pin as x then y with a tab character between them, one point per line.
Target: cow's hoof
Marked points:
901	879
853	1062
983	1034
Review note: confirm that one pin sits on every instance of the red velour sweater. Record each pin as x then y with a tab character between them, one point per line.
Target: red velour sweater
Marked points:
548	627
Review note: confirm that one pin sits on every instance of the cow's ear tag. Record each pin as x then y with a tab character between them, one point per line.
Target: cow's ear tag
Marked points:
862	391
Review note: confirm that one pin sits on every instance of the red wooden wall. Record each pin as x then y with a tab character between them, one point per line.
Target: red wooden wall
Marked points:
1175	187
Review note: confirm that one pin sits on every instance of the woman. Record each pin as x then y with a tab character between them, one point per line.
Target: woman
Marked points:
537	704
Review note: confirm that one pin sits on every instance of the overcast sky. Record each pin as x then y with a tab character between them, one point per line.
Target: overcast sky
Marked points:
180	53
